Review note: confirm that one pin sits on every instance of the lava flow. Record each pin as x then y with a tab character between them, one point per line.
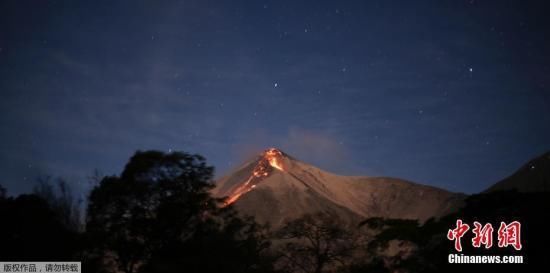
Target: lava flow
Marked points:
271	159
274	158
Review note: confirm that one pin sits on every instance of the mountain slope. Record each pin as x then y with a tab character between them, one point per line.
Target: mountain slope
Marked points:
276	188
531	177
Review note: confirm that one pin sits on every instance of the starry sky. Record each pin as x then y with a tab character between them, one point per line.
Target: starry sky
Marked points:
453	94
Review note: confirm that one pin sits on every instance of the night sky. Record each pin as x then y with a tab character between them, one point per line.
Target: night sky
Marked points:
453	94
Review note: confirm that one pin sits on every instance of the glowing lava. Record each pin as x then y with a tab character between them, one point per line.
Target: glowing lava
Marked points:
271	159
274	158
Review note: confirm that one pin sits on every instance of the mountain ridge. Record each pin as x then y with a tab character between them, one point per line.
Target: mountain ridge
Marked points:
534	176
275	188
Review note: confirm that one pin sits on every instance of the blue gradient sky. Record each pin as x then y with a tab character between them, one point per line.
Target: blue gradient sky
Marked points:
453	94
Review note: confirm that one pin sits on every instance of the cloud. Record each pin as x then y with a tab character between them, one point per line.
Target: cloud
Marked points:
319	148
305	143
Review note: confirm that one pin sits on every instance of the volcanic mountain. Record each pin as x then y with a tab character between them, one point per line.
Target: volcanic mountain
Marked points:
275	188
531	177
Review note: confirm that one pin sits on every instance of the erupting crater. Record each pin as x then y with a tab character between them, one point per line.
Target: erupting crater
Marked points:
270	160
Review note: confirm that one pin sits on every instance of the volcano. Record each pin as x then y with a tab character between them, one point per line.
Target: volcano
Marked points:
276	188
531	177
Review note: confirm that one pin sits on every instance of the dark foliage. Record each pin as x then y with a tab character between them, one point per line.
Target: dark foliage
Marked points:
315	244
62	200
31	230
433	247
158	216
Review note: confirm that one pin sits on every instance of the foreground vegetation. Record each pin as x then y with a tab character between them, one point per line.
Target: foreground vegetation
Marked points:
158	216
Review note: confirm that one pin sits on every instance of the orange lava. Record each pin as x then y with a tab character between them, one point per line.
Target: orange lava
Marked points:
274	157
271	159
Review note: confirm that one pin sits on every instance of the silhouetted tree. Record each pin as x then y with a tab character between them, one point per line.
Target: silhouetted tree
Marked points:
62	200
432	246
2	192
30	230
391	229
315	243
159	216
392	242
232	245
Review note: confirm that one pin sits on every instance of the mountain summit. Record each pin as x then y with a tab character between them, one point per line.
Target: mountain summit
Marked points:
270	161
531	177
275	188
